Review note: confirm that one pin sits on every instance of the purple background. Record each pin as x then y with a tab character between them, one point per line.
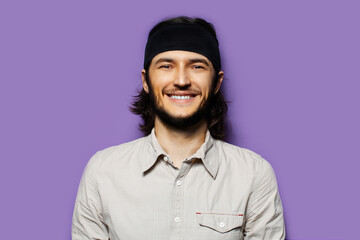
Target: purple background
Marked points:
69	69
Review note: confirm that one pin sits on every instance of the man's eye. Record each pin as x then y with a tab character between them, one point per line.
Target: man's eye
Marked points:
198	67
165	66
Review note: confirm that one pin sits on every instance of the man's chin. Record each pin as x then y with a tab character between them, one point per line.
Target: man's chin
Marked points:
180	121
181	116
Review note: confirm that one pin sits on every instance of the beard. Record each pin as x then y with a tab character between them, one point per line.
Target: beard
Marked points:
177	122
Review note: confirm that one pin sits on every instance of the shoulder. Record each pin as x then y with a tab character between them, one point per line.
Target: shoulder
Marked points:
116	155
246	164
243	158
233	152
121	148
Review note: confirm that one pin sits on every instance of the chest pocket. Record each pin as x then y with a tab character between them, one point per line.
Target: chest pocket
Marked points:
221	225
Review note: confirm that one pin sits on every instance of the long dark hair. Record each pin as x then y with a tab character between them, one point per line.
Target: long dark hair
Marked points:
215	117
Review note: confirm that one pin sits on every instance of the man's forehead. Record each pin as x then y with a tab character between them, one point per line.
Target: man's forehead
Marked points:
178	55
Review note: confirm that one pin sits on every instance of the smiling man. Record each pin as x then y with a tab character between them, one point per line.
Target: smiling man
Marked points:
180	181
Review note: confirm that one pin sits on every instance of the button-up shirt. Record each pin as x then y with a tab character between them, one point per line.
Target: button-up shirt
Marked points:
134	191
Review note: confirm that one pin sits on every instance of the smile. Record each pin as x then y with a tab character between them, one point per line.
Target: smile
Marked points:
181	96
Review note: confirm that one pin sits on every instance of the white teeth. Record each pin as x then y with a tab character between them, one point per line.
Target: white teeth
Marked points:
180	97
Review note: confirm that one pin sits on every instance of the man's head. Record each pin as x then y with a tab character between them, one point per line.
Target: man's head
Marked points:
182	77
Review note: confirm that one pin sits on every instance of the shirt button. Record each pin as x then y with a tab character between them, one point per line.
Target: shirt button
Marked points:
221	224
178	183
166	159
177	219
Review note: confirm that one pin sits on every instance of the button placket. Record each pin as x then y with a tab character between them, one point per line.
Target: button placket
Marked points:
178	205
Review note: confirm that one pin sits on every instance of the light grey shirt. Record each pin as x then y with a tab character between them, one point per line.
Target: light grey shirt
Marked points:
133	191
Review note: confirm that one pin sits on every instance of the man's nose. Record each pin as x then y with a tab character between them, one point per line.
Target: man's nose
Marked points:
182	79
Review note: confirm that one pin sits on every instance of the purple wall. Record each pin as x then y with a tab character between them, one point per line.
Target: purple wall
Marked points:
68	70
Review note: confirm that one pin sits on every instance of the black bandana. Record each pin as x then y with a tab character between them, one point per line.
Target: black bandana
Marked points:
183	36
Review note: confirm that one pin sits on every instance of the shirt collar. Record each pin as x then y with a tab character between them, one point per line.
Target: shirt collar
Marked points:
154	149
206	153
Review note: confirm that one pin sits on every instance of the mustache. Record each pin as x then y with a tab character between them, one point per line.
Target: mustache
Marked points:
181	90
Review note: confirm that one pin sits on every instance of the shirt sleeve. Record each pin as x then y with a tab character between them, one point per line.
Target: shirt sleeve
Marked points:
264	214
88	222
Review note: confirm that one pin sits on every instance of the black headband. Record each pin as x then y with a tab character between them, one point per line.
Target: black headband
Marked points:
183	36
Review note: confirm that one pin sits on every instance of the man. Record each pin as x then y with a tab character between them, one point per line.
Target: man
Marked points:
180	181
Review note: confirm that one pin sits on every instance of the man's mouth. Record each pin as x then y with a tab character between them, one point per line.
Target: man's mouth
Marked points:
181	96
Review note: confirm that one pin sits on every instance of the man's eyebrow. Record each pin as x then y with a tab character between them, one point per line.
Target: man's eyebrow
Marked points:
164	60
193	60
201	60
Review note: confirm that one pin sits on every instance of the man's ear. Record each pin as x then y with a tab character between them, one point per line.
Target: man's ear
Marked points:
220	77
144	83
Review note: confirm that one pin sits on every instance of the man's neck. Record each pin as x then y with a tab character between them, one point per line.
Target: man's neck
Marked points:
178	143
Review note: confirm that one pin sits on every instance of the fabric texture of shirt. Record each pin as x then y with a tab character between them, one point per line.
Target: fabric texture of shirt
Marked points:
133	191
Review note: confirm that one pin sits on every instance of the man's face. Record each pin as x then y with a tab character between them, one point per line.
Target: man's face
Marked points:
181	84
